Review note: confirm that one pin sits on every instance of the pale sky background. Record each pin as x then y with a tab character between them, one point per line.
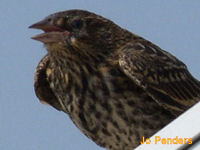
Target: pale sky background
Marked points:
26	124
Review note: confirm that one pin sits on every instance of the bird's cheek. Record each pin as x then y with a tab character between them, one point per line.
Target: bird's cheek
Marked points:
72	40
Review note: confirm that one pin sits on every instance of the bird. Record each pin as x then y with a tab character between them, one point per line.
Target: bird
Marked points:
116	86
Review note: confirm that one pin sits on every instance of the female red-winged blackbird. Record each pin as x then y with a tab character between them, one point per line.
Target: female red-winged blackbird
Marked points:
116	86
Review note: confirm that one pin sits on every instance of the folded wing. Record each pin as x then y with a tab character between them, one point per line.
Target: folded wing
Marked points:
161	75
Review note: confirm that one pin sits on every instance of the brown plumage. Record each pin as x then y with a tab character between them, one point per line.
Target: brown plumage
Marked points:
115	86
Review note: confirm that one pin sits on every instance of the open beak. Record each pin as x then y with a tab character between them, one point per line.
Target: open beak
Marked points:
51	33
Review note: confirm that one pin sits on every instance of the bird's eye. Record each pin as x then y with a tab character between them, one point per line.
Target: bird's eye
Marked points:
77	24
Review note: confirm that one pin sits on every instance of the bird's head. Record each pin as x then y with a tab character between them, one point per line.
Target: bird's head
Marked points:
80	30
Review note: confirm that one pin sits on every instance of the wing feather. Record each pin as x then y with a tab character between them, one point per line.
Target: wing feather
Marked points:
165	78
42	86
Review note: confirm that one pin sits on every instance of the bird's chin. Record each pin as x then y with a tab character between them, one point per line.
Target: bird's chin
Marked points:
52	37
